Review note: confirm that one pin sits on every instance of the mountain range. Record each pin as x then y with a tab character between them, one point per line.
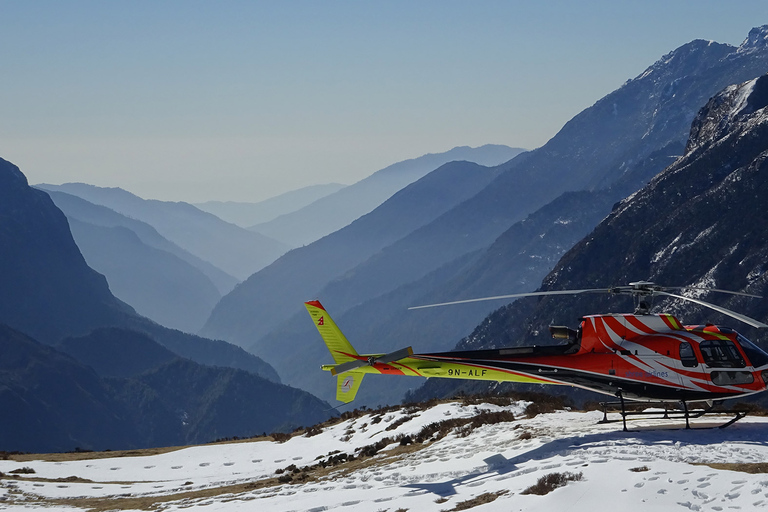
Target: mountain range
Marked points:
249	214
608	151
81	369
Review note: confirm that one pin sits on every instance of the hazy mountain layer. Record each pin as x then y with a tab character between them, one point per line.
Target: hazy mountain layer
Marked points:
336	210
75	207
49	292
275	293
248	214
235	250
156	283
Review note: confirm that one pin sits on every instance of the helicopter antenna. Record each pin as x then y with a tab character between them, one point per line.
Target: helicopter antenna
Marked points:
643	292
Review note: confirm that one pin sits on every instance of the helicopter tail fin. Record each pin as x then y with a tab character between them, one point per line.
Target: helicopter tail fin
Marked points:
341	349
343	353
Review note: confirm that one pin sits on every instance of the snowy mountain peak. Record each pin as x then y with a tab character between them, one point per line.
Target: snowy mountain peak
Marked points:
687	57
757	39
732	109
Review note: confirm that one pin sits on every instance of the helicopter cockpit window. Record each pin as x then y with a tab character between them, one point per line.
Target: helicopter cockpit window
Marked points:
721	354
687	357
755	354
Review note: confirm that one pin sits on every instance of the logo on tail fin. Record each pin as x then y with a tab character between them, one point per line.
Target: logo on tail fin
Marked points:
347	385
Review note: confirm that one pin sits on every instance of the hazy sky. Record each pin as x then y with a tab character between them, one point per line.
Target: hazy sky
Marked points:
241	100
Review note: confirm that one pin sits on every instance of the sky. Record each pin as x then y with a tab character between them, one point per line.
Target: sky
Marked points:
244	100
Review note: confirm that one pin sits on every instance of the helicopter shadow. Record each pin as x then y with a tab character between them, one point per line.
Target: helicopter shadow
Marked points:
672	438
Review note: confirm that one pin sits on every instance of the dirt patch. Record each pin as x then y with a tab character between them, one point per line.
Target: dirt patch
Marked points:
108	454
752	468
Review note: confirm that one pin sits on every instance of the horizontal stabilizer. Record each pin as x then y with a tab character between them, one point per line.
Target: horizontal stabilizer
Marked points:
372	360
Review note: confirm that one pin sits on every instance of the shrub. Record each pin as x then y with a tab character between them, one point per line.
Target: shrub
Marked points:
552	481
399	422
280	437
23	471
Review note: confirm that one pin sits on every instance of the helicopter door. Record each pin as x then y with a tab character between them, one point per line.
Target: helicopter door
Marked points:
690	364
724	364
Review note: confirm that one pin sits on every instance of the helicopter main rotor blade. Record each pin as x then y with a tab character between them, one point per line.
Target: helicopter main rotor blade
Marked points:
719	309
516	295
713	290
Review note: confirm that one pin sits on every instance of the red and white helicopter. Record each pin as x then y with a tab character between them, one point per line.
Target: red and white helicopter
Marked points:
638	356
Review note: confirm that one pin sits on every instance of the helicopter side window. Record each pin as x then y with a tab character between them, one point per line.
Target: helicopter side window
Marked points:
755	354
687	357
721	354
731	378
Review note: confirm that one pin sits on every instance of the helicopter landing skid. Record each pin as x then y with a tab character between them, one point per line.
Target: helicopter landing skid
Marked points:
667	413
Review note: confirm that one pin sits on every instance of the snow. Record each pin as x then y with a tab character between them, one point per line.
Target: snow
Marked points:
667	251
740	102
656	466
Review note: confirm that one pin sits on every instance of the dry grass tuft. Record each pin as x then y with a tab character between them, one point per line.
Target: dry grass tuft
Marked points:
487	497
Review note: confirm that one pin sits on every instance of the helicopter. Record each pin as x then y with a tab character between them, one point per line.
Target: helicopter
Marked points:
639	356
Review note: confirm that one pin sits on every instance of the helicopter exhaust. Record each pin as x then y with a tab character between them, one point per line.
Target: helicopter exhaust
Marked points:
561	332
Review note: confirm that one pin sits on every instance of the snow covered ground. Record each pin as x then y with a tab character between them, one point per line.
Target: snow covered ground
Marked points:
657	466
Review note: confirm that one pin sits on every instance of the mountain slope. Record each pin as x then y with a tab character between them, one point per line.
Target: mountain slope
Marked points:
337	210
42	273
235	250
688	226
75	207
156	283
701	222
248	214
51	402
595	149
115	352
